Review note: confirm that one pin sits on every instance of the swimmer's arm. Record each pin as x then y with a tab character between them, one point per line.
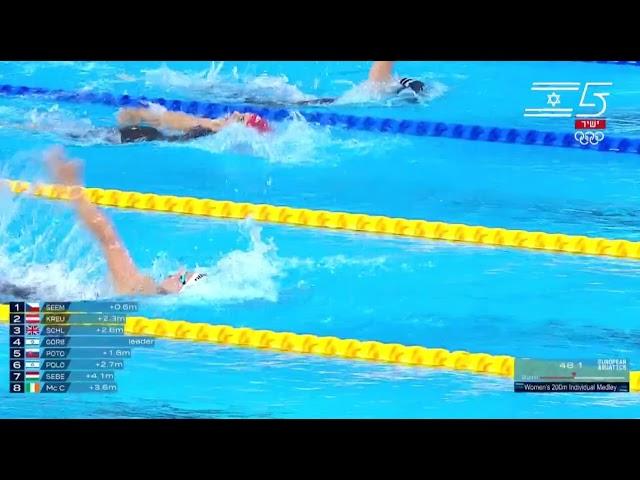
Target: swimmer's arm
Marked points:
381	75
381	72
170	120
126	277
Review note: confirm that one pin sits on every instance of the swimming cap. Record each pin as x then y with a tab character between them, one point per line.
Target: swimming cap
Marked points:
416	85
194	278
257	122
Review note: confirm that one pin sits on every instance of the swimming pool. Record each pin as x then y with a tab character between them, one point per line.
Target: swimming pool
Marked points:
349	285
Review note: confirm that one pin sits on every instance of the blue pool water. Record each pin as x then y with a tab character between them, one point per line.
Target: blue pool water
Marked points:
436	294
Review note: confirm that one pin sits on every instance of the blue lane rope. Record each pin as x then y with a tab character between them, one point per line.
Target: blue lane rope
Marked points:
353	122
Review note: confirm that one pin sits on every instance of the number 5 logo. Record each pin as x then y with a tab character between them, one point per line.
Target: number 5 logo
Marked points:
601	96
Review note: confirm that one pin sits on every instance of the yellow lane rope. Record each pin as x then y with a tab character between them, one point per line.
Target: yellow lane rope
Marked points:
342	221
393	353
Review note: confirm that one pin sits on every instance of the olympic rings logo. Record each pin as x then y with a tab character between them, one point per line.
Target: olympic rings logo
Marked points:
588	137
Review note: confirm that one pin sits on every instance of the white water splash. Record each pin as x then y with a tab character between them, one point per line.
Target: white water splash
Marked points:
167	77
59	259
240	275
212	84
334	262
293	141
54	259
385	94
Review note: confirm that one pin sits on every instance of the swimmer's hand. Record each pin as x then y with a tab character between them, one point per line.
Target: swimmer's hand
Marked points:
235	117
243	118
63	170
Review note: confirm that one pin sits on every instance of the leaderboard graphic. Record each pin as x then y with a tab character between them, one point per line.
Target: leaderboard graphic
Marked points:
74	347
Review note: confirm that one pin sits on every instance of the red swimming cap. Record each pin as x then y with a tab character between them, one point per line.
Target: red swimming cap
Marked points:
257	122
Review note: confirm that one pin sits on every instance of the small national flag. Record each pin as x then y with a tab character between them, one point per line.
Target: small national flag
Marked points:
33	330
32	353
32	387
32	364
33	313
33	307
32	375
32	341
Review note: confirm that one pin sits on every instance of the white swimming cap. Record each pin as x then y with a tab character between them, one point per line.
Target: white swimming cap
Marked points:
197	276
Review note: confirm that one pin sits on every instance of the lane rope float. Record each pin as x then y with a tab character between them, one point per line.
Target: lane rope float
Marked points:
352	122
392	353
395	353
353	222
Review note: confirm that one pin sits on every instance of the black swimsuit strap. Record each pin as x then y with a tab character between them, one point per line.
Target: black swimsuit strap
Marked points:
140	133
190	134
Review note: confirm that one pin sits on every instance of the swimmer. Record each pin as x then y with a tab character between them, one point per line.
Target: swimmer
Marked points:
381	79
143	124
127	279
148	125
